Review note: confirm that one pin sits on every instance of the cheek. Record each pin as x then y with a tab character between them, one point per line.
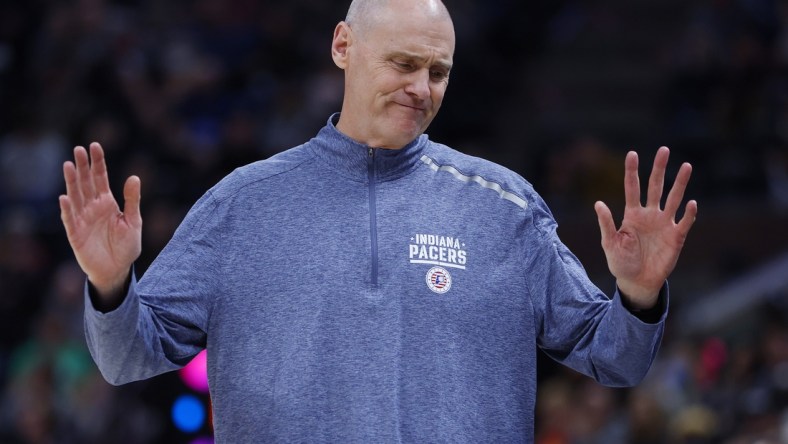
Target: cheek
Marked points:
393	85
384	79
437	96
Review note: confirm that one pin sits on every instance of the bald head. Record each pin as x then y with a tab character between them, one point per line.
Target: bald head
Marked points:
365	14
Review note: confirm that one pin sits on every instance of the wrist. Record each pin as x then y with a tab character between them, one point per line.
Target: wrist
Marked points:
109	293
637	297
651	315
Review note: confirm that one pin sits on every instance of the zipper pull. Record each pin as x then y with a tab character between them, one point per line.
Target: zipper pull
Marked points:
371	152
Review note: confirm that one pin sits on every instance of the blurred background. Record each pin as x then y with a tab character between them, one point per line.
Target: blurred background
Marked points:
181	92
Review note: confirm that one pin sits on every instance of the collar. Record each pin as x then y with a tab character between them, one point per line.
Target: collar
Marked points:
351	158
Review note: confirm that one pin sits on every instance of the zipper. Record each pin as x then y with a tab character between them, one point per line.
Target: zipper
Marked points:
373	223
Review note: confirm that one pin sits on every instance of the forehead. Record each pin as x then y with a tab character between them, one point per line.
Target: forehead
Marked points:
415	37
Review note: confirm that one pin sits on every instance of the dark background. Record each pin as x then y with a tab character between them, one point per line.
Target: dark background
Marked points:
182	92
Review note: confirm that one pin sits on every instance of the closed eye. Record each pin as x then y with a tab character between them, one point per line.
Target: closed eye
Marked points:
439	75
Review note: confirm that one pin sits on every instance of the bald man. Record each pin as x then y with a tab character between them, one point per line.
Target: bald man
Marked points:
372	285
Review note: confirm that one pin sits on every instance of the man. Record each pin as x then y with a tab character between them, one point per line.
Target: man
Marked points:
372	285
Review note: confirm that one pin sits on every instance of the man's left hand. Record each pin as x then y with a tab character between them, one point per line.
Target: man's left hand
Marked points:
643	252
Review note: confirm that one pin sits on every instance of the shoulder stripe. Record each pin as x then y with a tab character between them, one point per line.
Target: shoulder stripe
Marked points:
506	195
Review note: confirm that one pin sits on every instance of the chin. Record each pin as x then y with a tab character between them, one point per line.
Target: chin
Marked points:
410	129
399	131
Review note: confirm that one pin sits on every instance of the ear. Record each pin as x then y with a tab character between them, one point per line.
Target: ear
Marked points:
343	37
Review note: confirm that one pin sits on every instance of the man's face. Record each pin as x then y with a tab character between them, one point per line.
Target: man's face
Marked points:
396	72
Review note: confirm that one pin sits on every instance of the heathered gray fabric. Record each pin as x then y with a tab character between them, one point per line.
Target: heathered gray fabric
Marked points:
272	271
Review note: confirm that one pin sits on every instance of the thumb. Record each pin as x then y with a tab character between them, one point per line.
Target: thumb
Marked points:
131	197
605	218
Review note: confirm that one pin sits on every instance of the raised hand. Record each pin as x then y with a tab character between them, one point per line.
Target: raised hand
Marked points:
105	240
643	252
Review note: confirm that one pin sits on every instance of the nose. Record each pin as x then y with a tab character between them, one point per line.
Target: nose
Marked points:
419	84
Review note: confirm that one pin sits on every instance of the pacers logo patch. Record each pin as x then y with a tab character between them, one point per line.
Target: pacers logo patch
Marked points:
439	280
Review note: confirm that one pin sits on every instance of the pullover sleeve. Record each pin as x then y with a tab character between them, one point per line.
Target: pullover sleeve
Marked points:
577	324
162	322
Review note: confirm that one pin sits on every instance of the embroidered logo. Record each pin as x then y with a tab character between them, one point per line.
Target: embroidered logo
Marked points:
443	251
439	280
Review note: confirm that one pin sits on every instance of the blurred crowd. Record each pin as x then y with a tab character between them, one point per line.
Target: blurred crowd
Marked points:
181	92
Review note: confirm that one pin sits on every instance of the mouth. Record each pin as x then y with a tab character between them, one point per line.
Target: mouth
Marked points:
412	107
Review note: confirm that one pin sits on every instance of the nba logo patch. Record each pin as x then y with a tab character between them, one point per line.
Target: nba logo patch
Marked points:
438	280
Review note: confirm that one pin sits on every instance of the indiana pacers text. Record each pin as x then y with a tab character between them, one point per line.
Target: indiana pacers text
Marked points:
438	250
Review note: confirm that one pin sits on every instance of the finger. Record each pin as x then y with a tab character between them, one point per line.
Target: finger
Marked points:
676	194
72	186
606	225
132	197
631	180
98	169
690	214
67	215
83	173
656	181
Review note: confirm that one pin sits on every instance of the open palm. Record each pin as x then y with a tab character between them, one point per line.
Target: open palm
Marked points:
644	250
105	240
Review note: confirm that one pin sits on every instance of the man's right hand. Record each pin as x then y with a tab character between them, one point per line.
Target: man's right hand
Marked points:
106	241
